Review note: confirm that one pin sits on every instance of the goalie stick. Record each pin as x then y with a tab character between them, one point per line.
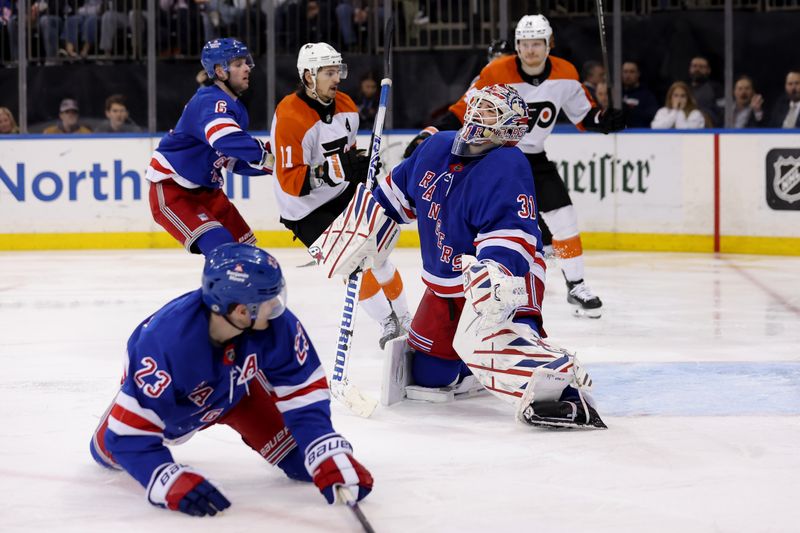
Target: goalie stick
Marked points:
341	388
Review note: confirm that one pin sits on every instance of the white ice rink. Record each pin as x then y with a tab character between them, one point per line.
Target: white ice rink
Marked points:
696	363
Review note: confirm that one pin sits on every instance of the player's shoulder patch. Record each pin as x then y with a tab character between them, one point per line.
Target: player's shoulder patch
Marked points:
562	69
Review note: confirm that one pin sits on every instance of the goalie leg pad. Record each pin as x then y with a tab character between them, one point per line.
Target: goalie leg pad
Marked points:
362	236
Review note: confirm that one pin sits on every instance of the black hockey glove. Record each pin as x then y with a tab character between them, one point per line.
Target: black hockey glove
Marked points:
416	141
346	166
604	121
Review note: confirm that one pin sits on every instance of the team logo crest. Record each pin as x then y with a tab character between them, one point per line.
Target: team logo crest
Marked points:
316	254
783	179
237	273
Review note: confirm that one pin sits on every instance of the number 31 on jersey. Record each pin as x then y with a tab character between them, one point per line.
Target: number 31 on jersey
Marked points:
528	206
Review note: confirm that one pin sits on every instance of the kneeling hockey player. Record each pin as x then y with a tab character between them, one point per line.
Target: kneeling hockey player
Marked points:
471	192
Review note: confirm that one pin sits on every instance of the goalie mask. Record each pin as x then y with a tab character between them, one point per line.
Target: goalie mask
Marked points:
496	116
533	27
243	274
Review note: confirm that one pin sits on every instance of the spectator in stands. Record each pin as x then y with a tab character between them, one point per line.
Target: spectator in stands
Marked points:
680	110
592	73
602	94
352	17
82	24
640	103
49	16
7	122
707	93
367	100
315	21
222	18
68	119
117	119
748	109
8	20
786	112
115	18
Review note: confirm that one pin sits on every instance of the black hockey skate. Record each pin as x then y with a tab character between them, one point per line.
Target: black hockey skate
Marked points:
390	329
585	301
562	414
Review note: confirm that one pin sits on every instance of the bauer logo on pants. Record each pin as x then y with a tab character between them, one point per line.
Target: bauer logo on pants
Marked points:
783	179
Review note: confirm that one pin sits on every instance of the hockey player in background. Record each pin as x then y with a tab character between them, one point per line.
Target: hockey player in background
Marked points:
228	353
548	84
186	170
318	167
472	195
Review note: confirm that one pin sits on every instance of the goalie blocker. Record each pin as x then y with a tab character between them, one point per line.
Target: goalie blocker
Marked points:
361	237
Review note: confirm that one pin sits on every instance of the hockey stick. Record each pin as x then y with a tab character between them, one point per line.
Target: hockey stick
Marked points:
347	498
340	386
601	25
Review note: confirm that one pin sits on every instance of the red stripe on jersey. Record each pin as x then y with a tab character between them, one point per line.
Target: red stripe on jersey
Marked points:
320	384
522	242
129	418
161	168
215	129
443	289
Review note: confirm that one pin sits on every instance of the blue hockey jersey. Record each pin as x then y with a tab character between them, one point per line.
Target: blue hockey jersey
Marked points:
482	206
210	136
177	383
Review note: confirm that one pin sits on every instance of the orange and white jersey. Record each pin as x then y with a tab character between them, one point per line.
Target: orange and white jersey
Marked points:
554	89
304	133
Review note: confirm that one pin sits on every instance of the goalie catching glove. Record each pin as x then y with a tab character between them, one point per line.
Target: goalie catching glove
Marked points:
492	291
181	488
330	462
362	236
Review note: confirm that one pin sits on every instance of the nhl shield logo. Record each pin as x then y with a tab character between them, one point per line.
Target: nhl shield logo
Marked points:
783	179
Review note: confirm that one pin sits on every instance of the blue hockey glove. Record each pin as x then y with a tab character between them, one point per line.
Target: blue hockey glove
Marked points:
181	488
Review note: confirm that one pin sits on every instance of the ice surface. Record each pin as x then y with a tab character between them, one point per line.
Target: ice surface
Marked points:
696	363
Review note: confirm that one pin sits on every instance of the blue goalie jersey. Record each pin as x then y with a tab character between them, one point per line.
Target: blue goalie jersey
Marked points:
482	206
211	135
177	383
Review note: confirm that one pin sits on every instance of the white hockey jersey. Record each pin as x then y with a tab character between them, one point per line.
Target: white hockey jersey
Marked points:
557	88
304	133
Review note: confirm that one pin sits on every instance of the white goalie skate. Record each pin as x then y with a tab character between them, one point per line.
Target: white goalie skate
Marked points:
398	384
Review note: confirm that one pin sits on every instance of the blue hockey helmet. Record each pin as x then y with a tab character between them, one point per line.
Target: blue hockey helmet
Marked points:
242	274
221	52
